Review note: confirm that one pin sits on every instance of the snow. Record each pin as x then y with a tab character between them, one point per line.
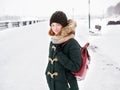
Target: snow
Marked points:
24	54
23	57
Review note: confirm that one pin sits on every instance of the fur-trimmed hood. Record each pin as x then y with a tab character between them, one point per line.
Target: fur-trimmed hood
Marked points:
70	28
66	33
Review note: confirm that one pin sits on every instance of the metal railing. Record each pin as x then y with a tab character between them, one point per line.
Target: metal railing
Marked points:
11	24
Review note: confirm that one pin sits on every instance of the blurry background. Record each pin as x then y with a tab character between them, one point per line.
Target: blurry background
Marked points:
47	7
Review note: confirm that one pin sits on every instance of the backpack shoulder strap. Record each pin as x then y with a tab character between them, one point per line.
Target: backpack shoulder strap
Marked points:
86	45
65	42
84	48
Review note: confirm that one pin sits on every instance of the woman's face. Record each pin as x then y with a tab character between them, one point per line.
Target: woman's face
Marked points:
56	28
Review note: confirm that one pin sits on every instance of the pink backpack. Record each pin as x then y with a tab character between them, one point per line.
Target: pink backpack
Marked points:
80	74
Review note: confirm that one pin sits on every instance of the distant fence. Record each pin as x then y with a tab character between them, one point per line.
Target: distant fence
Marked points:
3	25
10	24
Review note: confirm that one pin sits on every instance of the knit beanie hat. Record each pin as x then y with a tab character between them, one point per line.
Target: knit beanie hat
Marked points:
59	17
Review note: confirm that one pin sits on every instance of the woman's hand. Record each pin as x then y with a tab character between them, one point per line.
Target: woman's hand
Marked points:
58	48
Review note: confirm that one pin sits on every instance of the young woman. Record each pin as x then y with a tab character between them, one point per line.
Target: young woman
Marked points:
64	53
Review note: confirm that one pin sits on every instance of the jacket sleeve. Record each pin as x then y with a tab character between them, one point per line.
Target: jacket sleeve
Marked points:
73	60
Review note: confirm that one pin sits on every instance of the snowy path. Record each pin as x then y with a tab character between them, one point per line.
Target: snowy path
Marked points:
23	58
105	65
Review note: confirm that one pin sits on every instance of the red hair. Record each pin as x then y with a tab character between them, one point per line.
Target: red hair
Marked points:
51	33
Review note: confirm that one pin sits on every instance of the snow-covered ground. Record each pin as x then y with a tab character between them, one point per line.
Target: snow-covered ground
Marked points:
24	53
104	70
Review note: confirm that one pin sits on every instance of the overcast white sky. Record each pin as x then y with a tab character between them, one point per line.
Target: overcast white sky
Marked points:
47	7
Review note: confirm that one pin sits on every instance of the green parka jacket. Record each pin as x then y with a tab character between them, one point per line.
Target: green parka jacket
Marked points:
60	65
